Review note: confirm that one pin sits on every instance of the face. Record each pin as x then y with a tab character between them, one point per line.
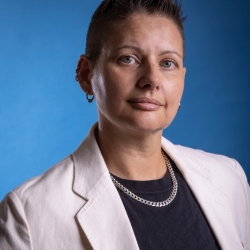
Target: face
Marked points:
138	79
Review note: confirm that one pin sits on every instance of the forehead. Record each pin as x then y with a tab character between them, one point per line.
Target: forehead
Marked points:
145	30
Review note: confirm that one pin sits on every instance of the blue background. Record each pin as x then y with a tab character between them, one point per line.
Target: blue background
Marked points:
44	114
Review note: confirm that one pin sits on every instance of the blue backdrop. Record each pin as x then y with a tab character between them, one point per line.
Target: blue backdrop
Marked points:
44	114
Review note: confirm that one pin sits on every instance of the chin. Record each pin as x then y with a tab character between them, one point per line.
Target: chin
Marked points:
148	127
148	123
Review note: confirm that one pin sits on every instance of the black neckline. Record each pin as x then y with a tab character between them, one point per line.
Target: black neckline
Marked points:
149	186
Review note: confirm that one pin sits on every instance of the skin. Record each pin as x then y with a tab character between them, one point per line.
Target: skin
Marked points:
137	82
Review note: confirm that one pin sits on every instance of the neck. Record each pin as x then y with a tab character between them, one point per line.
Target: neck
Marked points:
131	154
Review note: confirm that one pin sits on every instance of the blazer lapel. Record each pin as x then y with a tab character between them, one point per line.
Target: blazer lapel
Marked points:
212	201
103	218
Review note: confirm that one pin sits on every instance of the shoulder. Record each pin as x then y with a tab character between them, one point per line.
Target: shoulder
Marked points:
216	163
221	170
54	181
45	198
224	173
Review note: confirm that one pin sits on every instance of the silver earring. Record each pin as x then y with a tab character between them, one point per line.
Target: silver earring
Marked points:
179	106
89	99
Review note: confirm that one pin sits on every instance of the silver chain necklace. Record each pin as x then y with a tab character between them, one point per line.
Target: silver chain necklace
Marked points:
152	203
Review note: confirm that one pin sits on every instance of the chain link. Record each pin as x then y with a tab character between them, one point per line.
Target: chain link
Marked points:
152	203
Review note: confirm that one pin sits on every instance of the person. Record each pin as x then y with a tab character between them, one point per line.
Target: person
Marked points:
127	187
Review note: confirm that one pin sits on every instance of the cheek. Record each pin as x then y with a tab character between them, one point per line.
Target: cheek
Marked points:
107	88
98	87
179	91
173	90
114	80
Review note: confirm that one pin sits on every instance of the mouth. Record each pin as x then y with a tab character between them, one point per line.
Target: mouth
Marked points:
144	103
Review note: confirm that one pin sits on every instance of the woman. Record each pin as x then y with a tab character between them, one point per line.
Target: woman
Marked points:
127	187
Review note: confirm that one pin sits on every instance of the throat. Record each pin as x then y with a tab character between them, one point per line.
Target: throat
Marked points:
132	159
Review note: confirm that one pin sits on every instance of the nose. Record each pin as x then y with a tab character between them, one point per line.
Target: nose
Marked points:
150	76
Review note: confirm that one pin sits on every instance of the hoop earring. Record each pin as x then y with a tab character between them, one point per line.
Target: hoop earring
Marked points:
89	99
179	106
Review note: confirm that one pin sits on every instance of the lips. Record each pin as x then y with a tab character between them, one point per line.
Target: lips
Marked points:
145	103
145	100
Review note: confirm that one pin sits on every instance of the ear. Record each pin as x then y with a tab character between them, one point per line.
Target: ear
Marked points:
84	73
184	74
184	71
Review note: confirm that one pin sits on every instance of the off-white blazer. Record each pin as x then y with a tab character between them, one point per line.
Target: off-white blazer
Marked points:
74	205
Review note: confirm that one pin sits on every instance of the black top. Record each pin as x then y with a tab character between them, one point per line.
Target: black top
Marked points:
177	226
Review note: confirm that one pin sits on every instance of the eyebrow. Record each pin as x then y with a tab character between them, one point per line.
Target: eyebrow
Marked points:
171	52
140	50
129	47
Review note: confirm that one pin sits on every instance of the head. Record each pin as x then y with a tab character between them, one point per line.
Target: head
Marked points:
112	13
134	63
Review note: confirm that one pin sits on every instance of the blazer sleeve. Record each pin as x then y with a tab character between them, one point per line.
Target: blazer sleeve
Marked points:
14	230
246	188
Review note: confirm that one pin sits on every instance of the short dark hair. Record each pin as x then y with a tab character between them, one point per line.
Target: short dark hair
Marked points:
112	12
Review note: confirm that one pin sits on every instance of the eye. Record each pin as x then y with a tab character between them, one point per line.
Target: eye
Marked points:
127	59
168	64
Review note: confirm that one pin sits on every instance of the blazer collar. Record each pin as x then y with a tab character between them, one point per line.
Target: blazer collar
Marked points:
103	218
212	201
90	168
